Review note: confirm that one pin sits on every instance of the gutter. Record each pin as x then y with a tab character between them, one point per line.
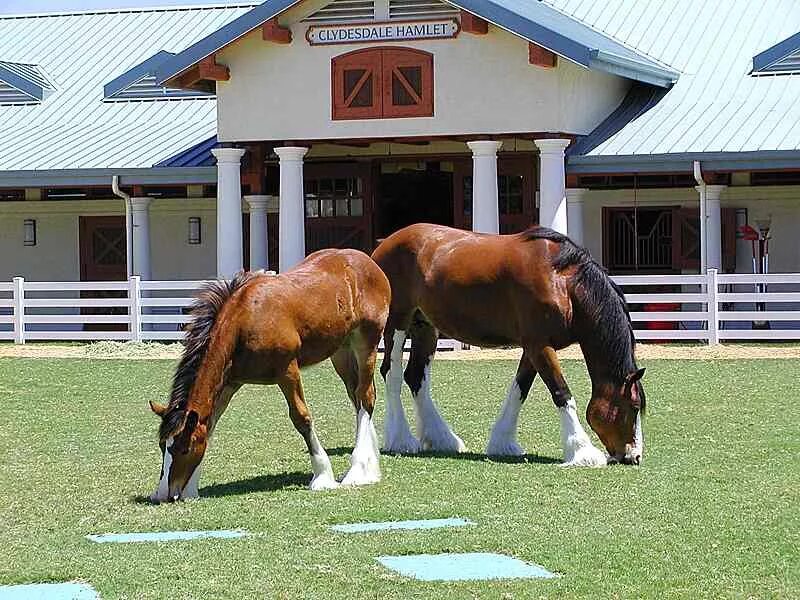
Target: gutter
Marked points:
701	183
128	223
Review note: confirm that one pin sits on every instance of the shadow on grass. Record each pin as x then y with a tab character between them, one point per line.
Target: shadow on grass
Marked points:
260	483
477	456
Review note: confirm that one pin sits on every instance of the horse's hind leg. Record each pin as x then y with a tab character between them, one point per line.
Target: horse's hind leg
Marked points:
578	448
433	432
364	462
503	439
397	436
301	418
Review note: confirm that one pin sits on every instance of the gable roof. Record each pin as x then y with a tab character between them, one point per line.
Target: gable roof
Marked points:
74	128
529	19
783	57
139	83
20	82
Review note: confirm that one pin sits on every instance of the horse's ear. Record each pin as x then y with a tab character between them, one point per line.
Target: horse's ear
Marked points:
191	421
157	408
632	378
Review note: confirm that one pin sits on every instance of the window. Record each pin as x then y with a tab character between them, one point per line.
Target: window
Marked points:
334	197
382	83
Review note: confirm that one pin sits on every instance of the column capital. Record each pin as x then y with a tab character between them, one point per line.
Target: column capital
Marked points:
555	146
228	155
257	201
140	203
576	195
291	152
713	192
484	147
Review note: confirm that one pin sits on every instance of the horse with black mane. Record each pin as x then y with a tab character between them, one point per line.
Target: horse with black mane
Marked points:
263	328
537	290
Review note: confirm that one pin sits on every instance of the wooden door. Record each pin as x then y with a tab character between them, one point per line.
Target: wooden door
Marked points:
338	205
103	251
103	257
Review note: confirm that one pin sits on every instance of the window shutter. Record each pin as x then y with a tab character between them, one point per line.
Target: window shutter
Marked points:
357	85
407	83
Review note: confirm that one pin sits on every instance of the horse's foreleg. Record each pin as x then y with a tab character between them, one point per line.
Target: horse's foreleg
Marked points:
503	439
433	432
578	448
301	418
364	463
397	435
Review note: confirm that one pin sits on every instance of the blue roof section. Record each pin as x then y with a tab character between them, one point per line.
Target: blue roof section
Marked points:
196	156
26	80
781	58
529	19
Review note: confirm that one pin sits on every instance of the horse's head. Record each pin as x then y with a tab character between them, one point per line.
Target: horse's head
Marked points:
183	440
615	415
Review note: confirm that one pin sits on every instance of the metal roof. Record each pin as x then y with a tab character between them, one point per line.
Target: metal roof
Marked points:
530	19
73	128
21	82
139	83
717	109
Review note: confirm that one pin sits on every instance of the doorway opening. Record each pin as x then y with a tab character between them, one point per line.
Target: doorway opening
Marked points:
418	192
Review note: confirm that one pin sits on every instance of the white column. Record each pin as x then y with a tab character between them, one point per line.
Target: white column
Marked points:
291	209
485	205
229	211
140	237
552	181
575	198
713	227
259	250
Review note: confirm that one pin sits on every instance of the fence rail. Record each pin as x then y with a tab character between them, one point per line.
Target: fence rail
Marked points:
710	307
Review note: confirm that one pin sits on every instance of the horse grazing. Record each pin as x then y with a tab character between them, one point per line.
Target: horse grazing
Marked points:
263	328
535	289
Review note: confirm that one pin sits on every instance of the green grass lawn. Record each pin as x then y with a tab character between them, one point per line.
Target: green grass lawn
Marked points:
713	512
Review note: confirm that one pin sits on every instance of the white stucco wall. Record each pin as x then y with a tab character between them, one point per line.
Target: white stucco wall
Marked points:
56	255
779	202
483	84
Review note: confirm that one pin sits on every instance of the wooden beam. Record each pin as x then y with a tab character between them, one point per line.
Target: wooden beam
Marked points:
541	57
271	31
473	24
206	70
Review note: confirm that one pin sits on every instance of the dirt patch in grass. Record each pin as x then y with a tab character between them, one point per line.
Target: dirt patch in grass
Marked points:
150	351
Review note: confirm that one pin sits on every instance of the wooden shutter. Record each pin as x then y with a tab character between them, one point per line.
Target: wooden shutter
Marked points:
407	83
357	85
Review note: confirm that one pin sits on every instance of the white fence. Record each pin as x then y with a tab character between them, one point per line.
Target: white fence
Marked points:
710	308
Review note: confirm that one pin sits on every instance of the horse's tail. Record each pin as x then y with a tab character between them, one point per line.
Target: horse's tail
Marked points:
204	312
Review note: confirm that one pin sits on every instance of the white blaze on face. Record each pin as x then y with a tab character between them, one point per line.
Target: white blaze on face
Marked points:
162	493
638	436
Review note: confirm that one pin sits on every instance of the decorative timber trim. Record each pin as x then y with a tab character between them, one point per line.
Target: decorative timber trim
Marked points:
271	31
206	70
473	24
541	57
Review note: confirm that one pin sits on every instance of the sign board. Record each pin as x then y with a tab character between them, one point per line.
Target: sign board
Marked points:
386	31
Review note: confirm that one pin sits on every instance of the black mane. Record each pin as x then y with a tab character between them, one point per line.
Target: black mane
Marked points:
204	312
599	298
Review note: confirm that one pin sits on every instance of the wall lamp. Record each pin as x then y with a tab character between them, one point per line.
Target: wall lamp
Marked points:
194	231
29	232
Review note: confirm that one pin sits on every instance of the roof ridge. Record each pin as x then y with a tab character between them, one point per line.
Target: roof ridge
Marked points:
131	9
630	47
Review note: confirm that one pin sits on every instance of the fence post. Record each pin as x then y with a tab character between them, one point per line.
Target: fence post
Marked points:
712	289
19	310
135	307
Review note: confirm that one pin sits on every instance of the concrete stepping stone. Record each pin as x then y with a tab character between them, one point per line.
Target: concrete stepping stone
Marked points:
394	525
464	567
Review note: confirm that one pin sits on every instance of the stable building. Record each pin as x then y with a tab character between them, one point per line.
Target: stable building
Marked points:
625	125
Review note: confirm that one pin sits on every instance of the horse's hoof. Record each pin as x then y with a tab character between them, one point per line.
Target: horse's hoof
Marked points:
323	482
449	443
410	445
586	456
361	475
504	448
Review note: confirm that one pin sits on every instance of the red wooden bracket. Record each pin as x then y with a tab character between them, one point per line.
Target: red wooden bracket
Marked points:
473	24
271	31
541	57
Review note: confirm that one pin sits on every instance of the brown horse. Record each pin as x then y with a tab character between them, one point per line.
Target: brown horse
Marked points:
536	290
263	328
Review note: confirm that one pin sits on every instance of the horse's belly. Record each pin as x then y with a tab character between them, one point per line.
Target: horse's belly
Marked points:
472	319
